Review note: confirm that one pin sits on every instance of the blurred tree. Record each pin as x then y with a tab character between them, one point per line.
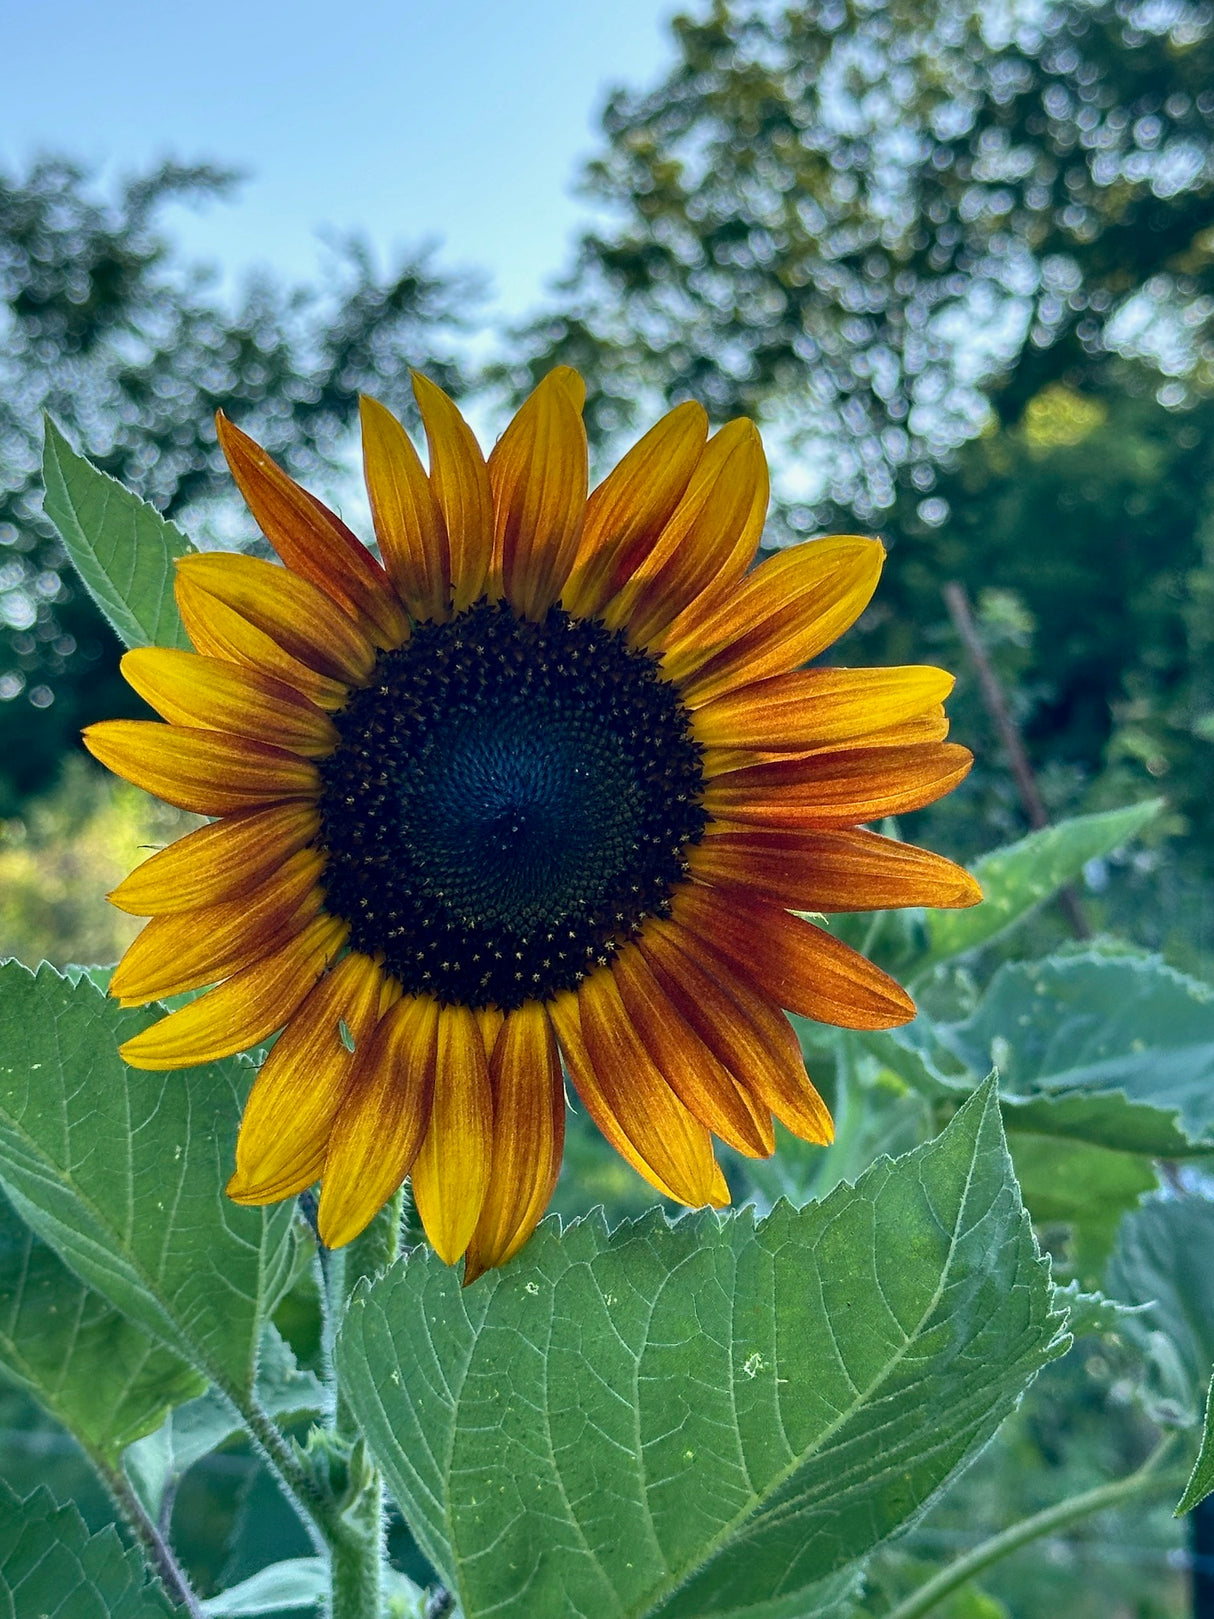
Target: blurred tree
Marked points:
131	350
959	260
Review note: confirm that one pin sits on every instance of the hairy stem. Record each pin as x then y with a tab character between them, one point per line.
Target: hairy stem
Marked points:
152	1542
1144	1479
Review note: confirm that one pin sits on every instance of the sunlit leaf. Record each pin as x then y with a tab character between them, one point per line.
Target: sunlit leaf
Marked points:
122	548
712	1417
1201	1480
1023	875
121	1172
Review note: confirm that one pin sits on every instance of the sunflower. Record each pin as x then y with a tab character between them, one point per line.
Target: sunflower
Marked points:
539	792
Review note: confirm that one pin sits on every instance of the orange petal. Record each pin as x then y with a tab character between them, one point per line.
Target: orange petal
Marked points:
750	1036
312	540
813	708
245	1009
408	524
217	862
293	612
208	772
451	1174
703	1085
208	692
929	727
186	949
801	966
628	1099
709	542
630	508
382	1121
537	471
840	788
528	1137
287	1120
784	613
218	632
831	871
460	481
489	1020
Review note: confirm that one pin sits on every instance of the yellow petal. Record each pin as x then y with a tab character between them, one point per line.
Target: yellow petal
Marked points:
312	540
382	1121
290	1112
537	472
218	862
528	1137
245	1009
408	524
628	1099
218	632
460	481
708	543
186	949
289	609
629	509
787	611
208	772
813	708
210	693
831	871
451	1174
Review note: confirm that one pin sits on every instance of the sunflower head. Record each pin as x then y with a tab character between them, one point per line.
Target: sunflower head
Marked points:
538	791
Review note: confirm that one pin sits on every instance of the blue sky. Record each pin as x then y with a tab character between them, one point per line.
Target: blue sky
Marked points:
463	120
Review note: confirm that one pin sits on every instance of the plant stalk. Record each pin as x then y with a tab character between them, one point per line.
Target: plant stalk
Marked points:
152	1542
948	1580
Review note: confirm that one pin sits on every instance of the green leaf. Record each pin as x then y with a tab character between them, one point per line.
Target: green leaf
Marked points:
1088	1188
1021	876
120	546
52	1568
157	1463
102	1376
122	1171
1115	1050
1162	1262
1201	1479
711	1417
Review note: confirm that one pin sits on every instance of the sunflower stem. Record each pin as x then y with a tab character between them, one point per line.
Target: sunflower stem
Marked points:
957	1573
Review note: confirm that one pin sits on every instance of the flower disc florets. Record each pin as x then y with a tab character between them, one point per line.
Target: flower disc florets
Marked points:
508	802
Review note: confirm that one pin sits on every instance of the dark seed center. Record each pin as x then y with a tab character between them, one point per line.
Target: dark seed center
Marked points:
508	802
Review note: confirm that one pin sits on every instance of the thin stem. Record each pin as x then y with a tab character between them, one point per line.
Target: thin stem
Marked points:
1144	1478
956	599
153	1543
297	1484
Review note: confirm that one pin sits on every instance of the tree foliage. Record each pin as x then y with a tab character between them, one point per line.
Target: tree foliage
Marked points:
131	350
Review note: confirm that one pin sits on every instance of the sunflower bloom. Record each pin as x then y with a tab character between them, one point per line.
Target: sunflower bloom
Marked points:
538	793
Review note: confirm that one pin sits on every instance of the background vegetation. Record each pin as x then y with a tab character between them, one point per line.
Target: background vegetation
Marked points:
960	265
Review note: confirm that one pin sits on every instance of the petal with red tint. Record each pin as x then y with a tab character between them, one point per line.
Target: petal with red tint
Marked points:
312	540
800	965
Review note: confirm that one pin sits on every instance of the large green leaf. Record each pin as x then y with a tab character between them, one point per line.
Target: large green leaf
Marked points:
1115	1050
122	1171
1023	875
121	547
52	1568
101	1375
708	1418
